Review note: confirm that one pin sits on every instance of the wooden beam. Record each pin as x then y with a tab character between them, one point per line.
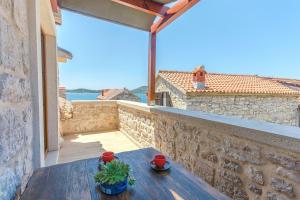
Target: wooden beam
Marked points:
54	5
151	68
174	12
147	6
179	5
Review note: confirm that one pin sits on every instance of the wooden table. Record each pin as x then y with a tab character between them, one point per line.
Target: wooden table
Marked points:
75	180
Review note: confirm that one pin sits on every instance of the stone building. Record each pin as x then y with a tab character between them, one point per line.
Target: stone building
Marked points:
244	96
29	120
118	94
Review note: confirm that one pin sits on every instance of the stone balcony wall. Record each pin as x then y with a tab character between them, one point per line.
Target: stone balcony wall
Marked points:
243	159
138	124
91	116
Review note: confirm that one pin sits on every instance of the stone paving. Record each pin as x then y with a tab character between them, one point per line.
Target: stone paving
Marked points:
89	145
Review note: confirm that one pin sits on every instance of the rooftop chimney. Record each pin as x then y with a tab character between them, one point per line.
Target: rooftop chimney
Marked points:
199	77
104	92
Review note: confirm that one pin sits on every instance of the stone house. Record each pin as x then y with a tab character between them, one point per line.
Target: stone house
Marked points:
244	96
118	94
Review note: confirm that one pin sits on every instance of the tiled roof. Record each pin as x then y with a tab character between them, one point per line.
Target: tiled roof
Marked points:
227	84
110	94
289	82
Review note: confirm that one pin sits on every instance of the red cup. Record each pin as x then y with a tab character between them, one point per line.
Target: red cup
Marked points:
108	156
159	161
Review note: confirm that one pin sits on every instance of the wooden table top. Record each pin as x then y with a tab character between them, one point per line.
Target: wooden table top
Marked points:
75	180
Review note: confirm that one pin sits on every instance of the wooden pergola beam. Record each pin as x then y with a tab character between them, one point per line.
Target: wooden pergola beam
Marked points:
151	68
146	6
173	13
54	5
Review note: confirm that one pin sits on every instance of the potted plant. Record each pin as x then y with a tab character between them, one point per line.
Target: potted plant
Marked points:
114	177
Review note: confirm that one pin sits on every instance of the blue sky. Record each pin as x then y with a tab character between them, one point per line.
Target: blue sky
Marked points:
227	36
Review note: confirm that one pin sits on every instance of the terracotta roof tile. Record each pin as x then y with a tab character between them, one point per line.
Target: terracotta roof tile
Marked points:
110	94
227	83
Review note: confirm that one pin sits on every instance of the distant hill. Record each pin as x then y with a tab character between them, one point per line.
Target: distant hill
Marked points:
82	90
141	90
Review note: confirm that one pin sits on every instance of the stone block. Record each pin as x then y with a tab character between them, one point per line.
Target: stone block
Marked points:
292	175
65	109
281	186
225	187
255	175
8	184
235	179
5	8
210	156
285	161
204	171
14	89
240	194
20	15
250	154
11	48
231	185
231	165
254	188
275	196
16	131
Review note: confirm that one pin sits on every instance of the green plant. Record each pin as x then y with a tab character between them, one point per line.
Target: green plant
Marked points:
114	172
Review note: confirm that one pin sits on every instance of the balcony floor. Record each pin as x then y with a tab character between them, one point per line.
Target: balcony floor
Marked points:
90	145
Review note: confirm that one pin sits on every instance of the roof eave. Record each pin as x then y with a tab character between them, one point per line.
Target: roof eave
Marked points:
194	94
178	88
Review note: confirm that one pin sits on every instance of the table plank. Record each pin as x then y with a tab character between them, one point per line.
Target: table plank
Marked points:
78	186
76	181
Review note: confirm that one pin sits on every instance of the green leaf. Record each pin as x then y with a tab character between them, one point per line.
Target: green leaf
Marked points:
113	172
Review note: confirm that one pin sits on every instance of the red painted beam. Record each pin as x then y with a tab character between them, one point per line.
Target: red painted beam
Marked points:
151	68
54	5
146	6
179	5
173	13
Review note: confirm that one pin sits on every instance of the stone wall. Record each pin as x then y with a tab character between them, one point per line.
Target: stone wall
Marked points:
178	99
137	123
15	100
275	109
91	116
243	159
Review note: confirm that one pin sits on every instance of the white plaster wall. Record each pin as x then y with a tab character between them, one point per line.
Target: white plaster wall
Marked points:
52	93
36	83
